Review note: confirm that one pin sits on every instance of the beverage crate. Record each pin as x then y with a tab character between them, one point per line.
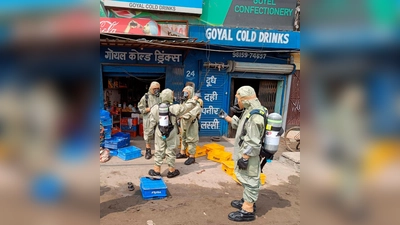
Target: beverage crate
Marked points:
118	140
228	167
141	129
104	114
235	179
122	135
125	128
133	133
134	128
115	130
263	178
107	132
153	188
130	152
219	156
124	121
129	129
106	122
200	151
113	152
214	147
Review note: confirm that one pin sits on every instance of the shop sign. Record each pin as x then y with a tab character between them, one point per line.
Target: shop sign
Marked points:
265	14
158	56
246	37
213	90
260	14
174	6
139	26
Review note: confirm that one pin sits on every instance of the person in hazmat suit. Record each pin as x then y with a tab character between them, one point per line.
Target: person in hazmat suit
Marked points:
246	151
149	99
190	127
163	117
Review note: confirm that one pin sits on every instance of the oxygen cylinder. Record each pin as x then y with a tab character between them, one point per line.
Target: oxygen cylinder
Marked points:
272	134
163	115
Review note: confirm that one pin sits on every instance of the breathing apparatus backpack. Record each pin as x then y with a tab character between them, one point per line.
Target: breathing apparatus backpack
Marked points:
271	134
147	99
165	125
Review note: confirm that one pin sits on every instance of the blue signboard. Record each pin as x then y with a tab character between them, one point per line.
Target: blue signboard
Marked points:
214	88
138	56
242	37
174	6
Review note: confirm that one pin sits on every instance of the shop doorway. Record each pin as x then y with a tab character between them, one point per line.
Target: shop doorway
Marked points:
266	91
293	116
121	98
128	90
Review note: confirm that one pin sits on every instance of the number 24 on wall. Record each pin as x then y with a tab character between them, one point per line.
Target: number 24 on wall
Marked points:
190	73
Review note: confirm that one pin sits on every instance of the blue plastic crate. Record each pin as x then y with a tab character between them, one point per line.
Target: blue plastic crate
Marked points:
118	140
104	114
107	132
153	189
107	136
113	152
121	134
124	127
130	152
106	122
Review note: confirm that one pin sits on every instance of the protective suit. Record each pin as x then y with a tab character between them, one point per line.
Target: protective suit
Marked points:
246	153
150	99
165	148
190	129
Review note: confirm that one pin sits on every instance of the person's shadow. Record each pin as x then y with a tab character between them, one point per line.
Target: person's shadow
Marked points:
120	204
104	189
270	199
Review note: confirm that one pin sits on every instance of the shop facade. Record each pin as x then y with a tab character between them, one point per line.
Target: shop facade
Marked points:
237	57
218	54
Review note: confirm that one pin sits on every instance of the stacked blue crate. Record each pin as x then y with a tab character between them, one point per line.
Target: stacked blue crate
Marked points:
125	128
153	188
118	140
107	132
113	152
128	153
106	121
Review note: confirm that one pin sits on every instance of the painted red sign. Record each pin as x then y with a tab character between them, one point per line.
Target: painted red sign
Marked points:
136	26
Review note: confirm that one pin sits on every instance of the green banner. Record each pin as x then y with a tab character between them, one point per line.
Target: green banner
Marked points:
263	14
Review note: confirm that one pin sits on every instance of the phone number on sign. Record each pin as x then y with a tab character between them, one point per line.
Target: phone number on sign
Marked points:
249	55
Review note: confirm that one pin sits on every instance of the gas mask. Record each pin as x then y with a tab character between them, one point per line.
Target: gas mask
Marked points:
235	109
156	92
184	96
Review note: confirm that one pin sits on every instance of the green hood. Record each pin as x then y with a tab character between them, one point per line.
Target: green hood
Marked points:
190	90
167	96
247	91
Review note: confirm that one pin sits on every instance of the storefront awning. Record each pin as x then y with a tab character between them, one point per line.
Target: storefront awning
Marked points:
148	42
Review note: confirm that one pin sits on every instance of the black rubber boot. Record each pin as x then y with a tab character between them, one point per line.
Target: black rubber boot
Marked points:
173	174
154	173
148	153
239	203
181	156
242	216
189	161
